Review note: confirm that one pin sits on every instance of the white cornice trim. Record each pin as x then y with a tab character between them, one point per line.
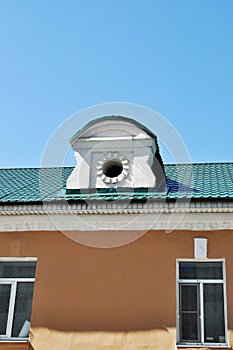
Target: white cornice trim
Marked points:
75	217
115	211
116	208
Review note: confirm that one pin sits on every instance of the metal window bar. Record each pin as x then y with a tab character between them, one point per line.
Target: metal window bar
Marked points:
200	284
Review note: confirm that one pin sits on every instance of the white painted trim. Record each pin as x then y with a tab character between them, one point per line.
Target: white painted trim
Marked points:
200	286
225	300
202	280
200	283
112	208
90	205
11	309
201	260
191	346
13	282
19	279
2	259
177	303
8	323
15	340
105	216
103	220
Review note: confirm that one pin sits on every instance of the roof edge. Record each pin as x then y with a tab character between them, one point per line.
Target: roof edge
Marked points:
113	117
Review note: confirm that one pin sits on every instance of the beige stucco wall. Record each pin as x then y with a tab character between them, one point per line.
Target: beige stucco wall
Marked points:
159	339
128	292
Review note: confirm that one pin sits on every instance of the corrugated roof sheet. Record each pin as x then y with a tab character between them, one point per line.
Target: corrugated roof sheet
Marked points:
197	181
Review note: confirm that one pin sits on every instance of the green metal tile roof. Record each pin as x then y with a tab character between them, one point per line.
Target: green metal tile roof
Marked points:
197	181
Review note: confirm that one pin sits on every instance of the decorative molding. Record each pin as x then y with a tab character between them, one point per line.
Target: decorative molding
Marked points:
114	211
116	207
108	157
93	217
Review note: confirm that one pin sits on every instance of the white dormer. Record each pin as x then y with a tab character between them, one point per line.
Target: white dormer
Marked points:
115	152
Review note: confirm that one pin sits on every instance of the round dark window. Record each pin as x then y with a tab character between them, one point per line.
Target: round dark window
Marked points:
112	168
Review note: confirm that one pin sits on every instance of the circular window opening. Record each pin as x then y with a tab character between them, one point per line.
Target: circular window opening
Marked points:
112	168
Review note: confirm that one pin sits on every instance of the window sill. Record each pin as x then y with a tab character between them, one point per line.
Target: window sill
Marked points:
14	345
200	346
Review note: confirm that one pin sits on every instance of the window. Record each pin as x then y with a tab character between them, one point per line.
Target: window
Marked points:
201	301
16	291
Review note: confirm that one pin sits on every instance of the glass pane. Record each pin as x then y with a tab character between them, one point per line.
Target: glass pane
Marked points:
24	269
200	270
23	307
189	312
214	321
189	327
5	292
189	297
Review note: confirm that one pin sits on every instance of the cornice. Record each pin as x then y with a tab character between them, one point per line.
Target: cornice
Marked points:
109	216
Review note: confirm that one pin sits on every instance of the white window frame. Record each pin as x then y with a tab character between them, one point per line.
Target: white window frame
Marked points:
13	282
200	282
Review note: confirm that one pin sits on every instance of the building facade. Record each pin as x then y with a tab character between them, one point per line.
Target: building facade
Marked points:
121	251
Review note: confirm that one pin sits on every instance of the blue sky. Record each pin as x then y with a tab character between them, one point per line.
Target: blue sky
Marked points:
59	57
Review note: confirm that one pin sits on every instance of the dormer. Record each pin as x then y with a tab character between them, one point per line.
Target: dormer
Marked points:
116	152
